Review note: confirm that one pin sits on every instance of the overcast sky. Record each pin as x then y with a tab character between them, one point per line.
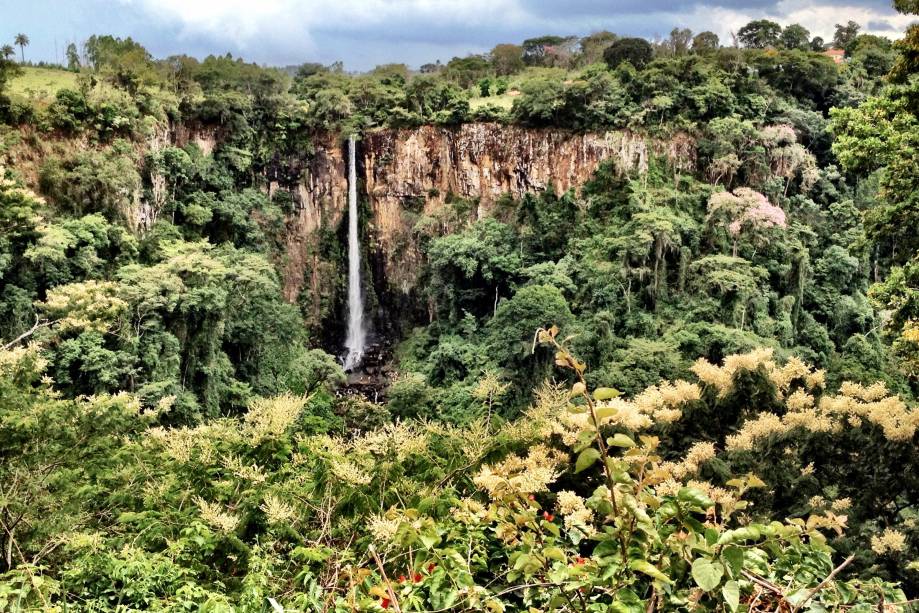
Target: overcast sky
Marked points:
364	33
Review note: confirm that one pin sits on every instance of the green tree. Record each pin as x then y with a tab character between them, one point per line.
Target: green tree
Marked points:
845	34
593	46
507	59
795	36
543	50
760	34
471	270
73	57
22	41
705	41
636	51
680	41
467	70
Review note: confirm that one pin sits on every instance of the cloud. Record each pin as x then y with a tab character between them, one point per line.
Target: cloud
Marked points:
367	32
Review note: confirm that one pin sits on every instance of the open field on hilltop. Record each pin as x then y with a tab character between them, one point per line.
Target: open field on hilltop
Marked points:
42	83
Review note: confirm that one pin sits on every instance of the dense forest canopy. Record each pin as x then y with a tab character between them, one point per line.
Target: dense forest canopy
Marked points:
675	387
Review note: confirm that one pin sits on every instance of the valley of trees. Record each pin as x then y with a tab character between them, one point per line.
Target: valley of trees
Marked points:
669	389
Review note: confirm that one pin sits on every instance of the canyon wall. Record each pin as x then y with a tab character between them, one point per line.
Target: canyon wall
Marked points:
409	181
411	174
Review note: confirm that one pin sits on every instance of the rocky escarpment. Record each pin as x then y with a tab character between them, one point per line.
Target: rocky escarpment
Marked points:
410	176
423	169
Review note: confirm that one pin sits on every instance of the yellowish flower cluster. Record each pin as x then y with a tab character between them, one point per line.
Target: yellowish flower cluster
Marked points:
722	377
384	527
349	472
658	404
277	511
828	520
575	512
857	403
698	454
869	393
842	504
469	511
179	444
91	305
664	401
853	405
214	515
251	472
521	475
14	361
753	431
890	541
270	417
794	369
11	187
93	541
401	439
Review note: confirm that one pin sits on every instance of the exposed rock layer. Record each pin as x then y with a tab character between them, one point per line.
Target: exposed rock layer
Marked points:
413	172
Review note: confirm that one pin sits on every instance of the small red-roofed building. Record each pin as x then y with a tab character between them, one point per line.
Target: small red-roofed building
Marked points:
838	55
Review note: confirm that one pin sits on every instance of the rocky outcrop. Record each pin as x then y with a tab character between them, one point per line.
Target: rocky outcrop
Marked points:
410	175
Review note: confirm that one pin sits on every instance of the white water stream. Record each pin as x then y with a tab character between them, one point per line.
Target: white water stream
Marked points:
356	341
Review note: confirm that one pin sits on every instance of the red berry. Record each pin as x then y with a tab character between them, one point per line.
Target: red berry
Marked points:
417	577
385	603
531	497
548	516
431	567
401	578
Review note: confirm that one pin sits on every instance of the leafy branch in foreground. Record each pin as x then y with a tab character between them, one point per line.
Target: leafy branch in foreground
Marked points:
619	529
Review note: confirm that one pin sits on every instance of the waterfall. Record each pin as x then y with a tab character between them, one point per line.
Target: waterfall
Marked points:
357	336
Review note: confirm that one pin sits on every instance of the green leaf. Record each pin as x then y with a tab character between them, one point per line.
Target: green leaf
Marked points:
620	440
429	540
731	593
694	497
603	413
606	393
707	573
554	553
586	459
733	558
649	569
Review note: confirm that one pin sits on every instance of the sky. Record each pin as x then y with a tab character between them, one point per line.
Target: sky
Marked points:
365	33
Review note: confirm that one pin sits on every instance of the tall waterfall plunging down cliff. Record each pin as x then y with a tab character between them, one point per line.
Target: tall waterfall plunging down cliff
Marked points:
357	335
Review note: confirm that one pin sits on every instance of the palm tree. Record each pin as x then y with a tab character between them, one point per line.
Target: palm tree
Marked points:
23	41
7	51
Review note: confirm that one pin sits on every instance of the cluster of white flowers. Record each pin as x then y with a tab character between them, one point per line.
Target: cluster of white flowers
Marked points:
249	472
383	528
14	361
276	510
698	454
521	475
401	438
575	513
890	541
214	516
349	472
271	417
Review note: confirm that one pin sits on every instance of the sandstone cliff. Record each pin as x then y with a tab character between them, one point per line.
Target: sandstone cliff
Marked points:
411	174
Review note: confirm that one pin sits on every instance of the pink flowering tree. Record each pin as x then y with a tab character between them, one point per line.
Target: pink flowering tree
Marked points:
744	211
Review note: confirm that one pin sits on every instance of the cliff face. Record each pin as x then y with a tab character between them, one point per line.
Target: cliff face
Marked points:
411	174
